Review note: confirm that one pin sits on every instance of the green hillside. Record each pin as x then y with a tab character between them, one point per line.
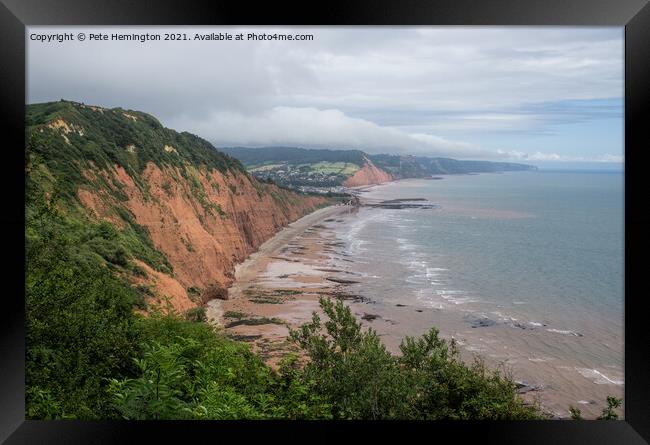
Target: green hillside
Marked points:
291	166
100	137
423	166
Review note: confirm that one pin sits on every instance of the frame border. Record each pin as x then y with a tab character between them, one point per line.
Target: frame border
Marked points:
15	15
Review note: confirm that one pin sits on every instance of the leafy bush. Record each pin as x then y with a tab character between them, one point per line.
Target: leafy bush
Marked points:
608	411
79	319
447	388
362	380
196	314
575	413
188	372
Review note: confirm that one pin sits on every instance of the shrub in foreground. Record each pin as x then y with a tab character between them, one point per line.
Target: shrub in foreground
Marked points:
189	372
362	380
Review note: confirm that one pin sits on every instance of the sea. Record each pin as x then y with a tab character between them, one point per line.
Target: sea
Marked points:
523	269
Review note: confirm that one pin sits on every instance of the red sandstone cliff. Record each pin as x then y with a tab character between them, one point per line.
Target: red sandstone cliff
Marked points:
368	175
202	246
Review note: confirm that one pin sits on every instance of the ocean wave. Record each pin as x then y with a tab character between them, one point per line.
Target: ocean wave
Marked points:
405	244
416	264
413	279
434	271
356	246
350	235
462	300
456	300
565	332
515	322
428	302
598	377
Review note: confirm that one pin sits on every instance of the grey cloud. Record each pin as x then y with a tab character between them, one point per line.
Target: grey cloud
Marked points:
385	87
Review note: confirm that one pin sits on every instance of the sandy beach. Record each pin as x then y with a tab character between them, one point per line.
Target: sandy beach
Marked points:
278	286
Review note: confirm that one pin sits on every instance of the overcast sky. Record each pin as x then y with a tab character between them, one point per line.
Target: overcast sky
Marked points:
530	94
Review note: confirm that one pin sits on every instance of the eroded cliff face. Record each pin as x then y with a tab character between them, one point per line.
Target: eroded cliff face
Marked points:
164	210
205	222
368	175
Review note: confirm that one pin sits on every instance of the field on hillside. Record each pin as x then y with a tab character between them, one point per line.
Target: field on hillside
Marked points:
338	168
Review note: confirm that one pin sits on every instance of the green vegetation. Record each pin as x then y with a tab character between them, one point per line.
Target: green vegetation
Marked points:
263	167
608	413
299	167
235	314
105	137
188	372
327	168
265	296
424	167
196	314
167	187
340	168
49	214
253	321
195	294
79	315
361	380
199	193
188	245
266	300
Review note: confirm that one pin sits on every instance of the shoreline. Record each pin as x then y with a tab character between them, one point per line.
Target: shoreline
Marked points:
261	306
278	287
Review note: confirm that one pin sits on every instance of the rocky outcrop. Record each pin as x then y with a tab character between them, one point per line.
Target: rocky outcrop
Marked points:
203	237
368	175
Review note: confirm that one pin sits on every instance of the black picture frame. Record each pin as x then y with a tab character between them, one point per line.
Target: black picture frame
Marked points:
634	15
